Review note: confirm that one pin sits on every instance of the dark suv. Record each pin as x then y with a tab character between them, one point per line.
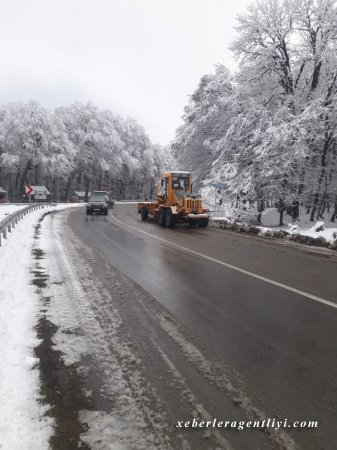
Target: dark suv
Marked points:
97	204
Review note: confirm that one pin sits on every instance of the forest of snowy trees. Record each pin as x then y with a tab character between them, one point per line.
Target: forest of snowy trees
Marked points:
79	147
269	130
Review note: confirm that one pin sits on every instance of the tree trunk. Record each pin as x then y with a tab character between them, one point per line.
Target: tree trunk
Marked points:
281	218
295	210
24	179
334	214
328	141
65	194
314	208
86	186
99	179
321	210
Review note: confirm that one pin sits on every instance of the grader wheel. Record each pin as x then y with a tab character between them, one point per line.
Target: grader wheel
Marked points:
144	214
170	220
162	217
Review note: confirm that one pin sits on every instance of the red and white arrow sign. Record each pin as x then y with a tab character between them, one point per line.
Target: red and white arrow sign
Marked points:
29	190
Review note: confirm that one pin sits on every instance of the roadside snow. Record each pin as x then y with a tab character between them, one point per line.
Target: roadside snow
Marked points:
6	210
329	234
71	310
89	332
23	423
303	226
319	226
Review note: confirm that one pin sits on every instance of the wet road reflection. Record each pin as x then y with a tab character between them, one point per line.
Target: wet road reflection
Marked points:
281	344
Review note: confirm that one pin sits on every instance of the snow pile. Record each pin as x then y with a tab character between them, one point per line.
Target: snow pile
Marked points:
319	226
323	233
293	228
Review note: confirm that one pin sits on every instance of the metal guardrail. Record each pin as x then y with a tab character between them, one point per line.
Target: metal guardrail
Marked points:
7	224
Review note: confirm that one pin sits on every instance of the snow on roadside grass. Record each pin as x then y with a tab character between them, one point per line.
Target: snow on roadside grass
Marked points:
303	226
22	421
6	210
22	424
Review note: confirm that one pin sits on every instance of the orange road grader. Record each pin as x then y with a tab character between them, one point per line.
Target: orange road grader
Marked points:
176	203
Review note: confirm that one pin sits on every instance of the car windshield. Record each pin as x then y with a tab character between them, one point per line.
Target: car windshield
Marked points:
97	198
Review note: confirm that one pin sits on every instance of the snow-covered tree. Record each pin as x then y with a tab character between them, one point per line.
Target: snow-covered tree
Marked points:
33	145
206	120
75	147
276	141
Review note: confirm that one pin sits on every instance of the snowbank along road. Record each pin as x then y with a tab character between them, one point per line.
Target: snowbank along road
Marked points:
141	328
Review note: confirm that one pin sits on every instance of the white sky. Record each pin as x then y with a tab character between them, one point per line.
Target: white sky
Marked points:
139	58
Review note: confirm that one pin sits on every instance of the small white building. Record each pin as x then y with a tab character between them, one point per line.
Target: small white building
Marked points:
40	193
81	195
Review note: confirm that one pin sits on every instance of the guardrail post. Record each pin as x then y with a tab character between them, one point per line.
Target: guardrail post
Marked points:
5	233
9	228
13	224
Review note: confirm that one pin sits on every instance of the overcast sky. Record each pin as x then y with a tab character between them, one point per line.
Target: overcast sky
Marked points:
139	58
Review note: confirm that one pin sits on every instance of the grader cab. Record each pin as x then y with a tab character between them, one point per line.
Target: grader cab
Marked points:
176	203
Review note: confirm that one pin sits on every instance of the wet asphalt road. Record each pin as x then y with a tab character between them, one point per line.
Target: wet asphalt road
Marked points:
279	346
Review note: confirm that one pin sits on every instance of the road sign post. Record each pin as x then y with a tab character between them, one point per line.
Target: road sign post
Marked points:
29	191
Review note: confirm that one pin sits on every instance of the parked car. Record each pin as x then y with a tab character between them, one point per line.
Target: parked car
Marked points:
98	204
